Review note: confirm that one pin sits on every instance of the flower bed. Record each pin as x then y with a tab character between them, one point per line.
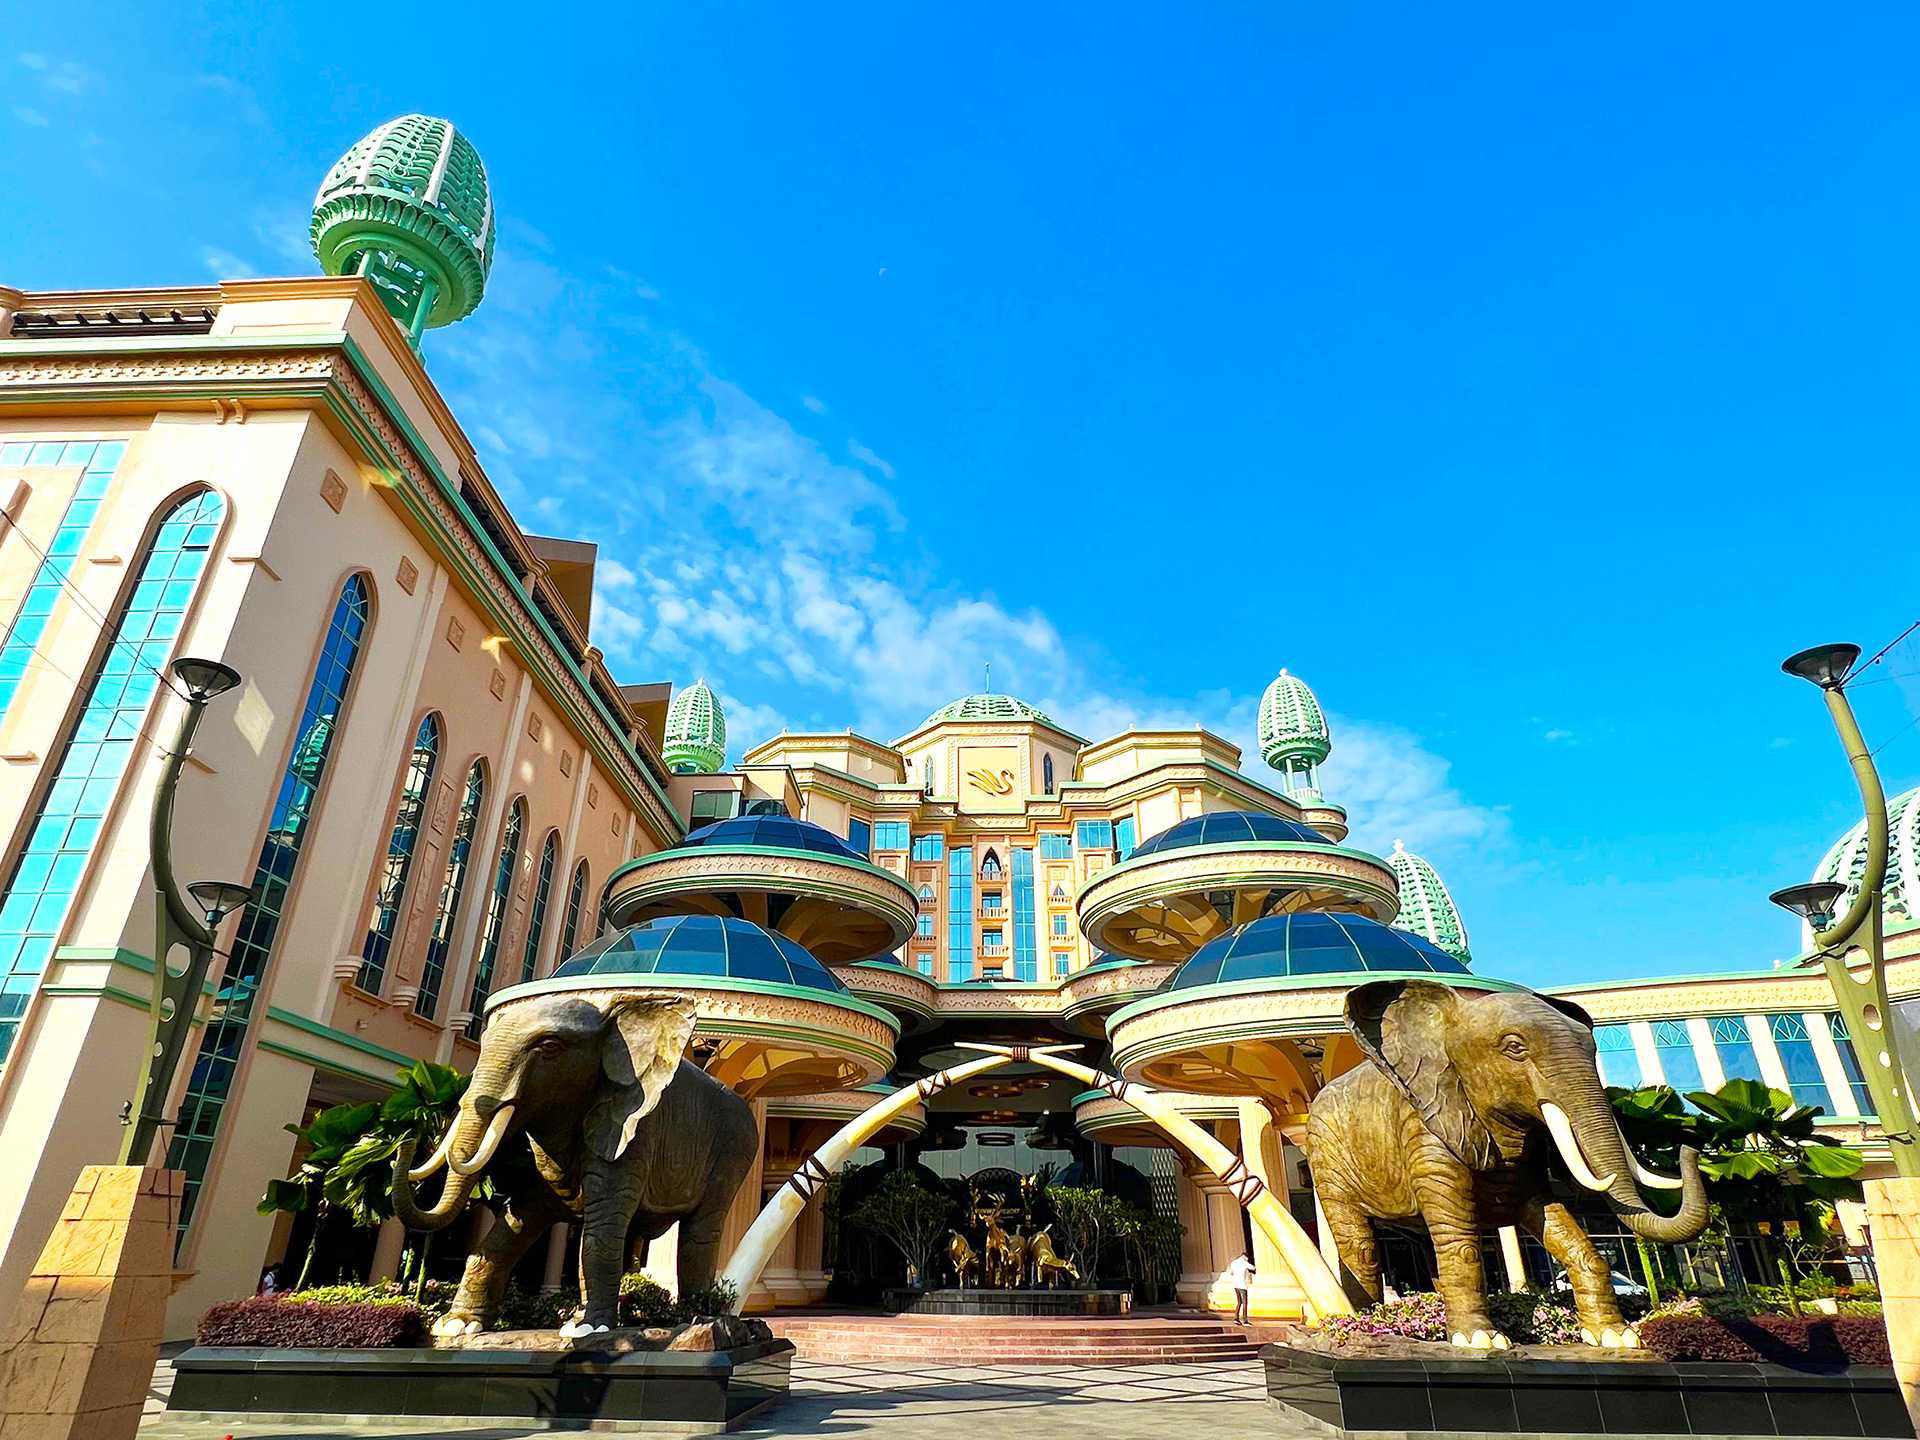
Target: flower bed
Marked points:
1525	1317
1824	1340
311	1325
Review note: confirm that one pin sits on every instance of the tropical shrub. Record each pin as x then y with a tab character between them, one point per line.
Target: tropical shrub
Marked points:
1827	1340
1530	1317
290	1324
906	1213
643	1302
1526	1317
1420	1316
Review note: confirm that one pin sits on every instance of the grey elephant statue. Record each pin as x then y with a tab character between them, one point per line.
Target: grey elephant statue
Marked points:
1448	1122
626	1137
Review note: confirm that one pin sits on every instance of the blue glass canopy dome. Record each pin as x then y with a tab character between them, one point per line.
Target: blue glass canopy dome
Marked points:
1311	942
700	945
1227	826
778	832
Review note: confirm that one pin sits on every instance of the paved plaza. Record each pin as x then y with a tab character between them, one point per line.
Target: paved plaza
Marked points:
928	1402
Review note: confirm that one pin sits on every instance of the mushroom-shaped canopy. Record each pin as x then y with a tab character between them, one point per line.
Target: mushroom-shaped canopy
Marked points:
791	876
1312	943
1225	826
701	945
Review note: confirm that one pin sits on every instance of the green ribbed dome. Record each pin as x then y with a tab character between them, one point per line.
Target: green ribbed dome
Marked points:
409	208
985	707
696	738
1425	906
1847	860
1291	724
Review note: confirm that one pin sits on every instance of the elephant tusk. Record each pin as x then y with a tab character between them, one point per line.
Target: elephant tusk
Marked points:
436	1160
1562	1131
1653	1181
489	1142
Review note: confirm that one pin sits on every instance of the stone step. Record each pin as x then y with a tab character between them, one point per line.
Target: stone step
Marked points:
1001	1340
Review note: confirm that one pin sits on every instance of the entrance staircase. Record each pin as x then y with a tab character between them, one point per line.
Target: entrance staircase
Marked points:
1150	1338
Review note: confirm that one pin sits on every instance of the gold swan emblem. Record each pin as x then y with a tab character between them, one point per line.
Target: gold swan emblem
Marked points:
993	784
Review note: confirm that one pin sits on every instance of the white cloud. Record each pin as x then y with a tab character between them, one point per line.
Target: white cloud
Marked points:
813	403
867	458
225	265
1553	735
27	115
734	547
32	61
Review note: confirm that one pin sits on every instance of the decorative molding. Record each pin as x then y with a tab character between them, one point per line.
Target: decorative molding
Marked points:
566	762
456	632
498	685
333	490
408	575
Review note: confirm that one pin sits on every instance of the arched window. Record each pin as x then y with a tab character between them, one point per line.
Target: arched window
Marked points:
105	732
1046	774
990	866
576	897
452	884
246	973
542	888
415	786
497	904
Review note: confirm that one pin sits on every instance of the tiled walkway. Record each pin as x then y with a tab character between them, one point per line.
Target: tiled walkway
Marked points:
926	1402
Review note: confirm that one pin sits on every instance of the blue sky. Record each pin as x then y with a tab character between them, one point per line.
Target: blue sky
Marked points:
1501	373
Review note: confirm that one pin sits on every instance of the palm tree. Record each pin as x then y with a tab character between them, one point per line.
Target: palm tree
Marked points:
328	1137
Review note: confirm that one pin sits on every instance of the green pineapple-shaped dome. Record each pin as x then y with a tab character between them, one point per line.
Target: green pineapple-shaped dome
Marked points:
985	707
1293	735
696	738
409	208
1425	906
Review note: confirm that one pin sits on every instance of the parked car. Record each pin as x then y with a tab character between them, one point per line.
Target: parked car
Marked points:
1624	1287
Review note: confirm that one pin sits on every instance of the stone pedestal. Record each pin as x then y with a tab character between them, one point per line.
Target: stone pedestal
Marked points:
77	1360
1893	1212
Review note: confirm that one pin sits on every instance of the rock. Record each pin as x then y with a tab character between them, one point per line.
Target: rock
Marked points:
722	1332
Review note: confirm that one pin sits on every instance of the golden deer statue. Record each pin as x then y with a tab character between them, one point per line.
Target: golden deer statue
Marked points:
963	1257
1048	1266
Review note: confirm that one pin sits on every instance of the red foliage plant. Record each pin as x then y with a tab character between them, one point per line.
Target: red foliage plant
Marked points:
1825	1341
310	1325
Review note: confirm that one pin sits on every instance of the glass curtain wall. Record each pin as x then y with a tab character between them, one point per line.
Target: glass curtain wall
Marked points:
576	898
537	917
1734	1046
253	943
959	914
1850	1063
415	786
1797	1057
1618	1064
94	758
1026	952
1673	1043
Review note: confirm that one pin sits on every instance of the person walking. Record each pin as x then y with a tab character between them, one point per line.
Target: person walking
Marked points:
1241	1273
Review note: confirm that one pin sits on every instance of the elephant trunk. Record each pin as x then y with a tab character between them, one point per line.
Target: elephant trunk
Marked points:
1596	1152
452	1200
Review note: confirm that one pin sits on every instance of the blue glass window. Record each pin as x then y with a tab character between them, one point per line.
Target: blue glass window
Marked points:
576	898
1062	961
926	927
1618	1064
1093	834
415	786
890	835
1850	1062
1026	950
927	847
95	755
452	885
1734	1046
1125	836
1056	845
498	902
960	914
1059	927
542	891
30	623
926	962
860	836
1804	1076
1673	1042
246	973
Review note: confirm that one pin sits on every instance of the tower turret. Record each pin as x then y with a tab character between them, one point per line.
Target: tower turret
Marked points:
696	739
1425	906
1293	736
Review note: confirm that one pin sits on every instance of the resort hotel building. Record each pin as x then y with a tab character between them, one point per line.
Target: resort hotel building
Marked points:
438	791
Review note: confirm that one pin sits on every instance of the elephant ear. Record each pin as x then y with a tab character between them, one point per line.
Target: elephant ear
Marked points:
1569	1009
640	1050
1403	1026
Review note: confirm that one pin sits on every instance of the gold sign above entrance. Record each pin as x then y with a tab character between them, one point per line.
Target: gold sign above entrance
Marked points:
989	779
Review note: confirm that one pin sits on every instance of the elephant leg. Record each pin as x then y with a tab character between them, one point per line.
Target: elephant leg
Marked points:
699	1258
516	1226
1587	1271
603	1255
1444	1192
1359	1249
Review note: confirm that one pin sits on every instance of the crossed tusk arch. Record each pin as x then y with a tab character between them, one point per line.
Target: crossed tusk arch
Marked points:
1318	1283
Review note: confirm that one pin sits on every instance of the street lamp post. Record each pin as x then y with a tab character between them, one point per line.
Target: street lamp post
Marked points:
1849	945
180	925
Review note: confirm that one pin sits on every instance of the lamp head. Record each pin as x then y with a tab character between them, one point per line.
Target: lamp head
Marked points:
1825	665
220	898
204	679
1812	902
